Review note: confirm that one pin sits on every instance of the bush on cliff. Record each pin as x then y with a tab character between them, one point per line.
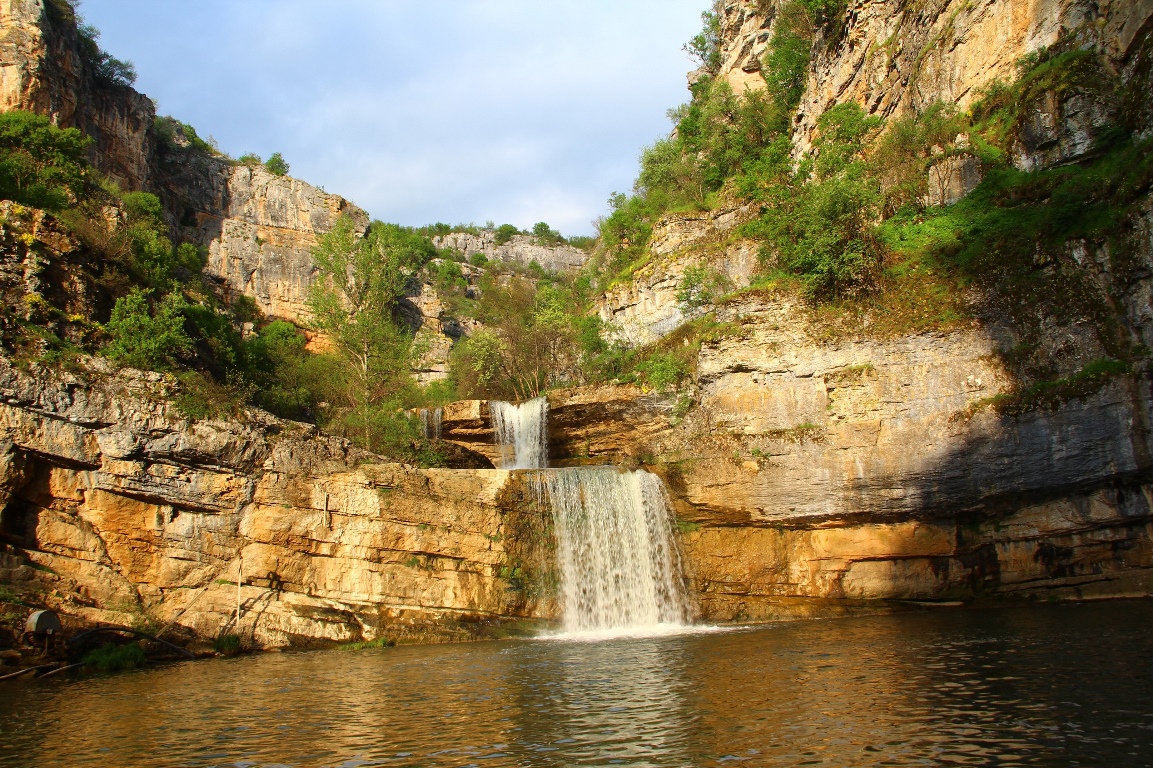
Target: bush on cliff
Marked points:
41	165
148	337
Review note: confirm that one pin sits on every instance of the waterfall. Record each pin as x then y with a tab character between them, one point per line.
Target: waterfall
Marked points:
521	433
430	421
620	568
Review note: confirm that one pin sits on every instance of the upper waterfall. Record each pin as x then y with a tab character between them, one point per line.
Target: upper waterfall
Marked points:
521	433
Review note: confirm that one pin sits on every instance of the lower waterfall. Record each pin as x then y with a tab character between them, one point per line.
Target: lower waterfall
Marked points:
430	421
521	433
620	567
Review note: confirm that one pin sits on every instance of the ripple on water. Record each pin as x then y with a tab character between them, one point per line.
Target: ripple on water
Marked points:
1046	686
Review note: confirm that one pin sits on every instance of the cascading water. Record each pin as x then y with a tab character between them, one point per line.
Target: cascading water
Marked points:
620	568
430	421
521	433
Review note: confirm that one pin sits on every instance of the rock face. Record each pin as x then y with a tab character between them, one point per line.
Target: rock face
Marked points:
41	70
521	249
259	229
116	508
647	307
891	57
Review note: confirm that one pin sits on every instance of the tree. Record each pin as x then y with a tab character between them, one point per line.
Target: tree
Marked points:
276	165
354	304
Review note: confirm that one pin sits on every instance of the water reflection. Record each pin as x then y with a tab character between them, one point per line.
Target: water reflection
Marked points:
1048	686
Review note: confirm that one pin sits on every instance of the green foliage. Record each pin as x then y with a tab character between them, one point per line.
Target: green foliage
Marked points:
786	61
354	303
478	260
530	341
504	233
276	165
250	158
663	371
227	644
584	242
451	286
202	397
701	285
177	136
105	68
151	338
705	46
41	165
546	235
115	658
819	226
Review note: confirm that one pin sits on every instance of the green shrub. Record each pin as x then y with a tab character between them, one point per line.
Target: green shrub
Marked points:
663	371
504	233
227	644
276	165
201	397
478	260
105	68
41	165
114	658
250	158
546	235
144	337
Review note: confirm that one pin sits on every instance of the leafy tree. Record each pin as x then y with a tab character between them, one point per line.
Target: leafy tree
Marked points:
41	165
504	233
546	235
530	341
105	67
354	304
150	339
705	46
276	165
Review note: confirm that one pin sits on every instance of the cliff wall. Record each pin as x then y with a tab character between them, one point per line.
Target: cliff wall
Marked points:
116	508
258	228
892	57
520	249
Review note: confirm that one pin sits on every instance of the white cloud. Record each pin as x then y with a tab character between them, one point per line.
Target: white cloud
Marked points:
455	111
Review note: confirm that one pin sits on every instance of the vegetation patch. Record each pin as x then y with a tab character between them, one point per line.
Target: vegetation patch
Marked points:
116	658
1052	394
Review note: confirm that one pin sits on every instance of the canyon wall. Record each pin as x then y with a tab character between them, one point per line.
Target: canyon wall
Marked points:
117	508
816	466
892	57
259	229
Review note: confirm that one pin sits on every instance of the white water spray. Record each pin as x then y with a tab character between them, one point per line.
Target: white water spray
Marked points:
621	571
430	421
521	433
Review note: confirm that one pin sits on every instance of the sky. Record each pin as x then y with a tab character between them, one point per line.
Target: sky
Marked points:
419	111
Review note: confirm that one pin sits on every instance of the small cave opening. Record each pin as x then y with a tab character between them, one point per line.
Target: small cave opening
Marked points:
18	521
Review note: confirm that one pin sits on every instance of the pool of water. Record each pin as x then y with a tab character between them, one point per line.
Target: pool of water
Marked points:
1056	685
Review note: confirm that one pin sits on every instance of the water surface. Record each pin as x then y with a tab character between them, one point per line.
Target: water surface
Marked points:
1059	685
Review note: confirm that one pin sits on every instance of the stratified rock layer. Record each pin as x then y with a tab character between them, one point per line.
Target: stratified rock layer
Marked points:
116	508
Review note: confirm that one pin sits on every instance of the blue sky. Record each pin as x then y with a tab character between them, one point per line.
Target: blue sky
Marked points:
458	111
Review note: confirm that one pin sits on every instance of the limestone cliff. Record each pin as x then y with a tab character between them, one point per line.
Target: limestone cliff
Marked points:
259	228
116	508
891	57
520	249
820	460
